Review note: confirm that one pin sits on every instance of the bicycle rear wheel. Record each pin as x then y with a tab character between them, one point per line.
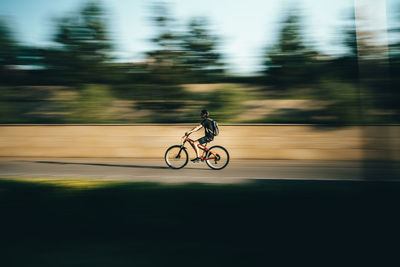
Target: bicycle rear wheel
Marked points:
176	157
217	157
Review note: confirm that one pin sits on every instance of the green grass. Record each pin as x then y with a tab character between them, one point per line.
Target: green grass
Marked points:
271	223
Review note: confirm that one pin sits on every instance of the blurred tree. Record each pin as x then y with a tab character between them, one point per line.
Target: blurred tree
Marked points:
84	47
226	103
338	83
201	57
346	67
8	50
165	62
290	62
93	104
8	46
361	74
26	104
350	36
165	68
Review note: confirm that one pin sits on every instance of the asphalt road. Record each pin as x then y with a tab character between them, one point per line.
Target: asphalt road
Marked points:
155	170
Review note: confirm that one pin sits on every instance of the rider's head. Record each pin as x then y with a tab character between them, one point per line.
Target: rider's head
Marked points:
204	113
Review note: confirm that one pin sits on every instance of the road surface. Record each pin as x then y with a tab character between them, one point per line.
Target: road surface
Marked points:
155	170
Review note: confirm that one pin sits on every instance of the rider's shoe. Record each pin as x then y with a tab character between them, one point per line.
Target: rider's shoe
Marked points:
195	160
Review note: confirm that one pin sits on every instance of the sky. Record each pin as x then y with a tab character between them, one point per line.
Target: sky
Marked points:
245	27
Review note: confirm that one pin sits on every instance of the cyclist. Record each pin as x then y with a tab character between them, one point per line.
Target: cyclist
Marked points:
207	124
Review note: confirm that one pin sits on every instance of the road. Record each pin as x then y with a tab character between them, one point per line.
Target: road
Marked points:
155	170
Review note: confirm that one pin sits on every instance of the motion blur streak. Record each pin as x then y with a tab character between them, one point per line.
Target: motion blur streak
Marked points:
77	79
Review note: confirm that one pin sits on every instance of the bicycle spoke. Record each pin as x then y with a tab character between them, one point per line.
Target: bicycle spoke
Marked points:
176	157
217	157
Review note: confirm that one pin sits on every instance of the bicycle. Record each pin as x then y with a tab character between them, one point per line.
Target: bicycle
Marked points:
216	157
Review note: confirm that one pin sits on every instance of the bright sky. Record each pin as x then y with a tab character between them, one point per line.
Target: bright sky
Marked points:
246	27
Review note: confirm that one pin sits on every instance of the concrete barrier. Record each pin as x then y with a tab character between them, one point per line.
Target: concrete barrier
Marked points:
308	142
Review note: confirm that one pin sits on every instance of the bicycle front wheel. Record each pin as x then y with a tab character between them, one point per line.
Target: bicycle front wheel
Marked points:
217	157
176	157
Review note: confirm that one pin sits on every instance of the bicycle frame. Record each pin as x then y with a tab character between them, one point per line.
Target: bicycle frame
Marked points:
202	147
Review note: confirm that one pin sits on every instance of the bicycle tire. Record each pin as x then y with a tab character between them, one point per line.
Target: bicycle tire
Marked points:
169	155
223	154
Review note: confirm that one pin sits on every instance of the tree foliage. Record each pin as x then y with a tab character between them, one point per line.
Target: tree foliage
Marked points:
83	46
289	62
91	85
201	57
166	60
8	46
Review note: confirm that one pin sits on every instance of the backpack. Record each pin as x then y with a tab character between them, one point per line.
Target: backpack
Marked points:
215	129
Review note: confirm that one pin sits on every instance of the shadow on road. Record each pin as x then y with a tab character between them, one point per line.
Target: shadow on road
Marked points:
103	164
109	165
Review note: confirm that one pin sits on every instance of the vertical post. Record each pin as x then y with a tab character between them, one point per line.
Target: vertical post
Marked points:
372	42
373	63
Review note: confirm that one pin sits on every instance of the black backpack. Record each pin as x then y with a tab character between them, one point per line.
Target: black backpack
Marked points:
215	129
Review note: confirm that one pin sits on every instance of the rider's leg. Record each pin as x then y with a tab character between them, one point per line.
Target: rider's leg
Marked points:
196	148
196	143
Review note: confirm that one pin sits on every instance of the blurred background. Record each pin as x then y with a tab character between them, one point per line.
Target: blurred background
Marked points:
331	66
305	61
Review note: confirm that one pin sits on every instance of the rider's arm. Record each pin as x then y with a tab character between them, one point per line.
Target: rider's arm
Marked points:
195	129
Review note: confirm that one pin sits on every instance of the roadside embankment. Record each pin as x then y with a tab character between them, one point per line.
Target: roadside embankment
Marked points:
305	142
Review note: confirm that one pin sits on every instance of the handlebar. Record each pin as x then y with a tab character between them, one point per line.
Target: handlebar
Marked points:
186	135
